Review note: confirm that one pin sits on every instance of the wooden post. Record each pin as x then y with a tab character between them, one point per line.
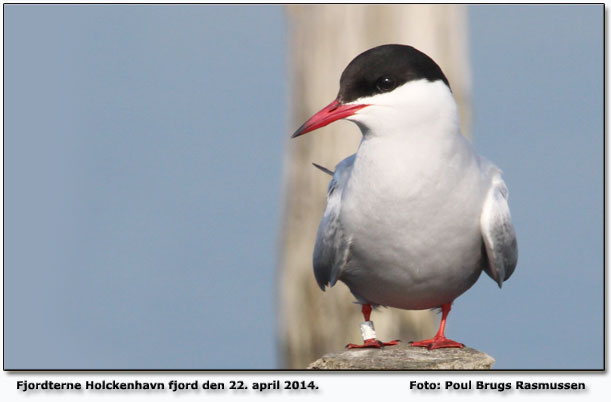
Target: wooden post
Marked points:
323	39
405	357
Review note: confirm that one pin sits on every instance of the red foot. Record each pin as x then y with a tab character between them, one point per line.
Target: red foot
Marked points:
372	343
438	342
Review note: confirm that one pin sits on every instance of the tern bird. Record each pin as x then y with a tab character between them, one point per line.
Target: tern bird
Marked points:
415	215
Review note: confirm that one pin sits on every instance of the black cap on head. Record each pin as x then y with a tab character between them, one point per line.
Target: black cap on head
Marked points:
385	68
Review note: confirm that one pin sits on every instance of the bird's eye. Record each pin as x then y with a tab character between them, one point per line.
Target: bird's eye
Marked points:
385	84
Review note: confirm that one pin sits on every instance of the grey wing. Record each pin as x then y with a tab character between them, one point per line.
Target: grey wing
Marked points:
332	247
498	233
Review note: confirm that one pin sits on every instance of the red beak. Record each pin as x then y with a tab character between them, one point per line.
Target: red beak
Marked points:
333	111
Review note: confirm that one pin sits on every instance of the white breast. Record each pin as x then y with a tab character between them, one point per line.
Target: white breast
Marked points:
411	208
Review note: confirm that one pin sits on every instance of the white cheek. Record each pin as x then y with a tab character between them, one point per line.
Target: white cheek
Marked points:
412	104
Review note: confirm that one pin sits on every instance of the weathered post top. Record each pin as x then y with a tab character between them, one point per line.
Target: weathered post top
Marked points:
405	357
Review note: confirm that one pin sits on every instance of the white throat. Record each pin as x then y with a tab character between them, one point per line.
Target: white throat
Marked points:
411	136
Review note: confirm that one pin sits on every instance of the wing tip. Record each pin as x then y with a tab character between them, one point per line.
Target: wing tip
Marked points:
323	285
324	169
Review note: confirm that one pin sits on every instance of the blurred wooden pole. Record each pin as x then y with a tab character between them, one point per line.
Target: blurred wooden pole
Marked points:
323	39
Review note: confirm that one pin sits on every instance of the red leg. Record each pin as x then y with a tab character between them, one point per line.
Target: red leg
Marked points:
366	310
440	341
372	342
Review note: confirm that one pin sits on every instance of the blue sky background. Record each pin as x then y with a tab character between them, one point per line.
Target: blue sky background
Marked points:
143	152
538	100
